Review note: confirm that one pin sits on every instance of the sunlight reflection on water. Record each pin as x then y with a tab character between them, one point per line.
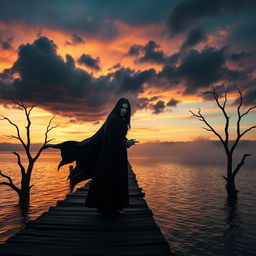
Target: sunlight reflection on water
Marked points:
190	208
188	202
49	187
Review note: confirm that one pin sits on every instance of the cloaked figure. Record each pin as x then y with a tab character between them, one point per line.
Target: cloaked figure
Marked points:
103	158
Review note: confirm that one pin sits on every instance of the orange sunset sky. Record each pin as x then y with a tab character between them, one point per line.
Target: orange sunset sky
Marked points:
76	58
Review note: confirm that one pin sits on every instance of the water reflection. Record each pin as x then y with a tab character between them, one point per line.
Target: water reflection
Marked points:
188	202
233	217
49	186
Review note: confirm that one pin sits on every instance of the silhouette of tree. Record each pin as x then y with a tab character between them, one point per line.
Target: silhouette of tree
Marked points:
24	189
229	146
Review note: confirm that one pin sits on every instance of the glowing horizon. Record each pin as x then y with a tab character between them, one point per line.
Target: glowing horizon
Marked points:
151	59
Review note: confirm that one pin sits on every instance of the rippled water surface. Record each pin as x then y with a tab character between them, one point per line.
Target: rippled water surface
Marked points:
49	187
189	206
188	203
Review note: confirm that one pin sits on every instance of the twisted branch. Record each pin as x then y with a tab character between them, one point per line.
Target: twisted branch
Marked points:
210	128
27	113
235	172
17	129
222	107
22	169
46	140
240	116
10	184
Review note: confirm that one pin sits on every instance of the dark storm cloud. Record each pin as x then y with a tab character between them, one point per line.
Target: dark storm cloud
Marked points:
88	61
194	69
154	98
236	57
77	17
173	59
46	77
134	50
145	103
135	12
6	44
188	13
172	103
116	66
243	35
250	96
195	36
198	70
152	54
147	53
70	61
158	107
142	103
76	39
130	80
89	18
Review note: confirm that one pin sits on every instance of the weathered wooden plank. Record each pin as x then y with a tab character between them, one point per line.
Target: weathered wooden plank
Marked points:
47	250
102	225
85	209
92	219
123	228
92	213
82	202
84	193
113	235
123	240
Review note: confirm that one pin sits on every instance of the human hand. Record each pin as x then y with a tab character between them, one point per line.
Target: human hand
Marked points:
131	142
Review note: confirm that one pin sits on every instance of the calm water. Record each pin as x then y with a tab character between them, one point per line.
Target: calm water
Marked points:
188	203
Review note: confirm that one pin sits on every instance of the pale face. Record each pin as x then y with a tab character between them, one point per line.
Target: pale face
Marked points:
124	109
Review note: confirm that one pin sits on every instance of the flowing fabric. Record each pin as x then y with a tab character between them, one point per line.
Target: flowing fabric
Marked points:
102	157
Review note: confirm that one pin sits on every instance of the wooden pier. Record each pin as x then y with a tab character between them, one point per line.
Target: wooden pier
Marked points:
69	228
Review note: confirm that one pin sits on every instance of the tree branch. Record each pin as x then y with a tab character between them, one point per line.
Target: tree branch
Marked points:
10	184
225	178
201	118
239	134
248	110
27	113
247	130
22	169
12	137
216	98
17	129
48	129
46	140
238	111
207	129
240	164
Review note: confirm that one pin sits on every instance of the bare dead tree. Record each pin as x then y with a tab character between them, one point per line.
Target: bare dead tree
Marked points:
229	146
24	189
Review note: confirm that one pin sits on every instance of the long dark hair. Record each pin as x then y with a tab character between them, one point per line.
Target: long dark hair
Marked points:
117	108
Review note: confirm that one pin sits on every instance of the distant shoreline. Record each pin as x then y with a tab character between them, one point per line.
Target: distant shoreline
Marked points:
196	152
5	146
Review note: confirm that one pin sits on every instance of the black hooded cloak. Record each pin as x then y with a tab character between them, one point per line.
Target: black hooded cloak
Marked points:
103	158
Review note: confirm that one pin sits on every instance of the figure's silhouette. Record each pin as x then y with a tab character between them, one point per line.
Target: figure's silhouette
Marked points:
103	157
